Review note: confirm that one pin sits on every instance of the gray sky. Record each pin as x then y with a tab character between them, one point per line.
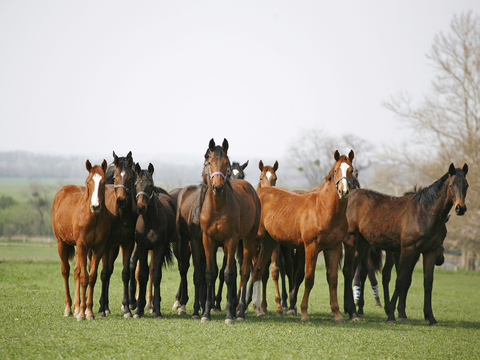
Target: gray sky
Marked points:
164	77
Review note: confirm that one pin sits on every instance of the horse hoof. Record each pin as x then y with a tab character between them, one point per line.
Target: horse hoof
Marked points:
291	313
391	321
80	318
90	317
127	315
176	305
182	310
137	316
241	319
217	310
305	319
195	317
229	321
356	318
402	320
279	313
107	312
340	321
101	314
205	319
67	313
159	317
435	324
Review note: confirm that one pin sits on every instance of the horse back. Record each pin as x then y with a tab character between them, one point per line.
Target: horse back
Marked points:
249	206
64	206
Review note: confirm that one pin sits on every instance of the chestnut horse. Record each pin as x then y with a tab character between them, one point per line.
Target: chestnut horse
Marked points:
314	221
80	218
155	230
410	225
120	201
230	212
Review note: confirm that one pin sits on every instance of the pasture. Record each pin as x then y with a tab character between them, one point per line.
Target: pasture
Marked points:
32	324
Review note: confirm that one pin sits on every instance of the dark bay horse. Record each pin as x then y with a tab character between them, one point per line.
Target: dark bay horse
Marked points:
409	225
314	221
230	212
120	201
80	219
237	171
155	230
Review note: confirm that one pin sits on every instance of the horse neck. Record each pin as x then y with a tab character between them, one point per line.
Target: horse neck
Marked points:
219	203
442	205
328	196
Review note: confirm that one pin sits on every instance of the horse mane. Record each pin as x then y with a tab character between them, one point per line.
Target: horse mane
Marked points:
428	195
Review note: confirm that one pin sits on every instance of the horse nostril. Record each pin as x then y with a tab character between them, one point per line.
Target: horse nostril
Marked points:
460	210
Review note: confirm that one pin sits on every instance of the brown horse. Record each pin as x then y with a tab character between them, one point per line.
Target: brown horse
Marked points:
230	212
155	230
80	218
410	225
120	201
314	221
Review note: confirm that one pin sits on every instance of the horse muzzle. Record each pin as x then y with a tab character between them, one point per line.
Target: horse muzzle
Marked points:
141	209
460	209
218	190
95	209
343	194
121	202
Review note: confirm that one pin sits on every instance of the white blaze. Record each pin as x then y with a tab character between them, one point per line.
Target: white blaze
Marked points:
123	174
95	200
344	167
235	172
269	175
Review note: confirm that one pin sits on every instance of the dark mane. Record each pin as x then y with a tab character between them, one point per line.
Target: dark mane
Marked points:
428	195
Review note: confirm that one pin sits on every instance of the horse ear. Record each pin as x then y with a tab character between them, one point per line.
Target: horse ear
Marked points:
355	173
88	165
260	165
104	166
225	145
150	168
115	159
451	169
465	169
244	165
211	145
351	155
138	169
207	154
336	155
130	159
114	155
275	166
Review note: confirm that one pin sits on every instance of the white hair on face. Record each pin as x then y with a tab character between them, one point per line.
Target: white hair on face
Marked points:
95	200
269	175
235	172
122	173
344	167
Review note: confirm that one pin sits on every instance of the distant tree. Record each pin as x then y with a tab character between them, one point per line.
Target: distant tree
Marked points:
312	153
446	122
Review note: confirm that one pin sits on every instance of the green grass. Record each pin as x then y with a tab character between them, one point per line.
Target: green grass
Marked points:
32	324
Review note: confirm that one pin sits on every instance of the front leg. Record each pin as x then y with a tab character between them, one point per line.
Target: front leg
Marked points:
429	260
332	260
210	275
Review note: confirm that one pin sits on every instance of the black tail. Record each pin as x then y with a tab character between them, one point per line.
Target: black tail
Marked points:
168	256
376	258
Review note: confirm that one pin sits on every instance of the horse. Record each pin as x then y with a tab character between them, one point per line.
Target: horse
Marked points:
155	230
120	202
80	218
314	221
409	225
236	172
230	212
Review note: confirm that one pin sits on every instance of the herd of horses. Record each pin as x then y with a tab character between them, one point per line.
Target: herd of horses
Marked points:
120	207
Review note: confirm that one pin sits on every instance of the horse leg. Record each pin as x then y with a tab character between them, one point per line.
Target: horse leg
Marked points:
276	264
150	284
127	250
264	286
287	262
263	259
402	300
221	280
311	254
373	282
386	276
183	266
332	260
230	247
299	265
429	261
248	248
104	278
157	259
81	282
92	279
362	271
133	282
142	272
64	251
350	265
210	275
404	267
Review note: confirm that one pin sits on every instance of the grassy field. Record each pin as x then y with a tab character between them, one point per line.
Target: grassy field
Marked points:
33	325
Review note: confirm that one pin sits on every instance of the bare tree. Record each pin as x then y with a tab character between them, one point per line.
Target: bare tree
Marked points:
312	153
446	122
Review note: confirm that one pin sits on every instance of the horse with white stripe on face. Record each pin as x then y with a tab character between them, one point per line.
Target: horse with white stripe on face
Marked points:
315	222
80	218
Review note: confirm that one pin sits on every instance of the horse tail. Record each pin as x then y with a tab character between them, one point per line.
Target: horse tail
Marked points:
376	258
168	255
71	253
340	261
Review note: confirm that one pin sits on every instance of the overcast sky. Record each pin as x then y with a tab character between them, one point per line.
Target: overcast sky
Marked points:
164	77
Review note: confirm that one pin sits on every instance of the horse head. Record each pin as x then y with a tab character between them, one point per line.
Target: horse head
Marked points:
457	188
218	165
343	173
237	171
95	185
268	176
123	178
144	187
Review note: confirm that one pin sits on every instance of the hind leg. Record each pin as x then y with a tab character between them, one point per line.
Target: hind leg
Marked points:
64	251
299	266
332	260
